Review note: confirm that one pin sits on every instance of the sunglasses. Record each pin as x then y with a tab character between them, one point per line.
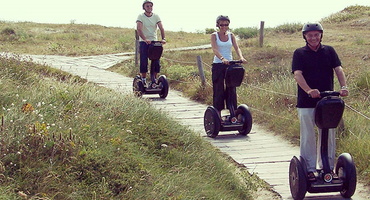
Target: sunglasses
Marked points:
224	25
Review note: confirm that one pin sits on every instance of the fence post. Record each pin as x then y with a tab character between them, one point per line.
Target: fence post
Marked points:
201	71
261	32
136	49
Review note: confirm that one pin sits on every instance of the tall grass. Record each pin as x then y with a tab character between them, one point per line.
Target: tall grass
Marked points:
79	39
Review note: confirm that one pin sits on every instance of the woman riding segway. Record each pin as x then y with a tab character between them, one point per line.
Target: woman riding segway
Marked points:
222	67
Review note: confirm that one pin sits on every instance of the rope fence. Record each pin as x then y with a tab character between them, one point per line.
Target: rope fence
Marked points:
253	86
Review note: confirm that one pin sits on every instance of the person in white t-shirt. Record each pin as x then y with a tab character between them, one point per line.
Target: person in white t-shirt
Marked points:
147	25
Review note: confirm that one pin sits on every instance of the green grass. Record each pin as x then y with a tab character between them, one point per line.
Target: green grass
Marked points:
64	138
78	39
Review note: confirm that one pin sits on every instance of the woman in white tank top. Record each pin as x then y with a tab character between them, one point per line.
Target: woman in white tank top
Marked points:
222	42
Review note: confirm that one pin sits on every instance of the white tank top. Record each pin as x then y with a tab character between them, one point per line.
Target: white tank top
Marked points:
224	48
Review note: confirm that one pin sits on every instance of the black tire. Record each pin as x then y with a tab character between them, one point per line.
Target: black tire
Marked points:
346	171
245	116
162	82
137	86
297	179
212	122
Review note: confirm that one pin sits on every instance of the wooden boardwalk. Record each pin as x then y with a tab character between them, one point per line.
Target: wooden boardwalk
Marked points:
261	152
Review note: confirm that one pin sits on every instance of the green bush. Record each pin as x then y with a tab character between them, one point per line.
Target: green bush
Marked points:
210	30
8	31
181	73
289	28
245	33
8	34
340	17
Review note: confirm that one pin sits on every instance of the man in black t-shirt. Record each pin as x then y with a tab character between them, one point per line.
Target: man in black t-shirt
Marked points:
313	67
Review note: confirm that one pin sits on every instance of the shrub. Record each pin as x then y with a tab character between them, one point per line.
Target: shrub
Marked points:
8	31
210	30
289	28
247	32
340	17
8	34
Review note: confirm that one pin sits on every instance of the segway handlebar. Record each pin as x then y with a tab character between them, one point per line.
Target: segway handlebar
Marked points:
156	42
329	93
231	62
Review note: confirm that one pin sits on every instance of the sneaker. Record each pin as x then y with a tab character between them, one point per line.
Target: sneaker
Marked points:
144	82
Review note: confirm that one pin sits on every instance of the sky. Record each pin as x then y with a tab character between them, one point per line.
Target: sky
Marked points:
187	15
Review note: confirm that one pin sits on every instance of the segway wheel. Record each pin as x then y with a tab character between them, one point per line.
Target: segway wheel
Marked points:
163	83
212	122
346	171
297	179
245	116
138	86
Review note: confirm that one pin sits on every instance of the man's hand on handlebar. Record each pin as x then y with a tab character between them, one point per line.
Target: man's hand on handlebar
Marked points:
314	93
343	92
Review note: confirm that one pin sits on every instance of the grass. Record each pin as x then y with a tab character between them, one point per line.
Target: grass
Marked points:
64	138
77	39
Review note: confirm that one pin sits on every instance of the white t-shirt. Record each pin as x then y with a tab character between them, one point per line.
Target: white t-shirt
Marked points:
149	26
224	48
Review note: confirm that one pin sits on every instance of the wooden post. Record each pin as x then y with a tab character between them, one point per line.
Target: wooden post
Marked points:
136	49
201	71
261	33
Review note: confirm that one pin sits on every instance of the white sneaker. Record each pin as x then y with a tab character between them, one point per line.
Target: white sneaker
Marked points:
144	82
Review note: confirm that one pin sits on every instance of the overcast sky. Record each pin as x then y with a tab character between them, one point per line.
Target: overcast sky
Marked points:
187	15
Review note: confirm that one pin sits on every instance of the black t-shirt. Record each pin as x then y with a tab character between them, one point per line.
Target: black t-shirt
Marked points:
317	69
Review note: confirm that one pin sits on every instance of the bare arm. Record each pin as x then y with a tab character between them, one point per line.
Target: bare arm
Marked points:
301	81
237	49
214	47
342	80
139	28
160	26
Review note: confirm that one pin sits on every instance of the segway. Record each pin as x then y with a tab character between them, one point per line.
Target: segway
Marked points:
161	86
328	113
239	119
